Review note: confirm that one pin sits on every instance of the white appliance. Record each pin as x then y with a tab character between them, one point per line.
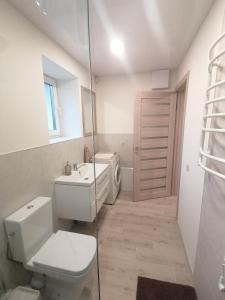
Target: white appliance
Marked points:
65	258
113	160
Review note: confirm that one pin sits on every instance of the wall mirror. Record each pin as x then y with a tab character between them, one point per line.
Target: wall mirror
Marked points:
44	61
87	98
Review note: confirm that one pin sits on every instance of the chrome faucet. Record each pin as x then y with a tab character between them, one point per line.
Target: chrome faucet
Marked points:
77	166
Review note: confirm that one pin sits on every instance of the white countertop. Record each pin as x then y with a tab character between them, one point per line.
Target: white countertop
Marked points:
84	176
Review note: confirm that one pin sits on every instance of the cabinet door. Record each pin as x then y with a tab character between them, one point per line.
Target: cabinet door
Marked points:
74	202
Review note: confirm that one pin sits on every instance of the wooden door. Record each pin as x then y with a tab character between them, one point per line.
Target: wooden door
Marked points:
154	125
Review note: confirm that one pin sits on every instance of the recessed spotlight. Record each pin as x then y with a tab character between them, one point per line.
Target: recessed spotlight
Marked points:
117	47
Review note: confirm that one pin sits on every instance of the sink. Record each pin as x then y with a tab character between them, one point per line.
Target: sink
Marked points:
84	171
84	175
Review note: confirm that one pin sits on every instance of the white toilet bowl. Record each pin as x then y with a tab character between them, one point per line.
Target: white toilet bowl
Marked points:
64	259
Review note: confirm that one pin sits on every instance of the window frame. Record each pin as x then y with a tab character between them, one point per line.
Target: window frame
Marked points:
51	81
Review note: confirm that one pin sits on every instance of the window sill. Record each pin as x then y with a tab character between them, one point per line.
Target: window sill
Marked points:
59	139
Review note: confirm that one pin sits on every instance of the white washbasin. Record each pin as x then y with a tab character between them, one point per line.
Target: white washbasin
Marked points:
84	175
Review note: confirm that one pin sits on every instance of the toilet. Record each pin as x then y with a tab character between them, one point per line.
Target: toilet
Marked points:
63	261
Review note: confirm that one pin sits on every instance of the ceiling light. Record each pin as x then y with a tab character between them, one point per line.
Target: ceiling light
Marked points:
117	47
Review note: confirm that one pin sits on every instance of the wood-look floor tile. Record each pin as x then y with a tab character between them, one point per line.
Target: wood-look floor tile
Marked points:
138	239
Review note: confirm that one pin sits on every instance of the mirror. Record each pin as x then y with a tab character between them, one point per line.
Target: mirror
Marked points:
44	61
87	99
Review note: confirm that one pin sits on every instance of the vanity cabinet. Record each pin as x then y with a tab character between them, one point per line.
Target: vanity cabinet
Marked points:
76	200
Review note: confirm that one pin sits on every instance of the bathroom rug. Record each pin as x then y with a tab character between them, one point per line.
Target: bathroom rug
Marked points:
151	289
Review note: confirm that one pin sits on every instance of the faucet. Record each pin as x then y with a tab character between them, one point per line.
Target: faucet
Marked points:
77	166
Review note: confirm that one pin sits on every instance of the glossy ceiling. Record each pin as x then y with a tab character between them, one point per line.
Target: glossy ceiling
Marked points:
156	33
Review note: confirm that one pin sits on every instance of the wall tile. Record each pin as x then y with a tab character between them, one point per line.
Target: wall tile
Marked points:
25	175
120	143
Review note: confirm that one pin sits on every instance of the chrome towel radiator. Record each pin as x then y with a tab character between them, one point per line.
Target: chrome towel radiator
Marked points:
215	96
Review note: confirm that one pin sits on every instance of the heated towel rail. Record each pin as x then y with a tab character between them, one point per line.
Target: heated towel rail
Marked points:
216	57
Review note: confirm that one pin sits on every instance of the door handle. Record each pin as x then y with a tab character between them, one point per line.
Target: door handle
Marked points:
136	149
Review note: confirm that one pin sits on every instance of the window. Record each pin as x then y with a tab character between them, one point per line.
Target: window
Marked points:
52	106
63	102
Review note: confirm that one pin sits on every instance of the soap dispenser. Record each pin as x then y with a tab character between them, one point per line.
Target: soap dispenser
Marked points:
68	169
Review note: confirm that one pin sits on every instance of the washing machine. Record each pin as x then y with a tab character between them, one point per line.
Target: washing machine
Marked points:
113	160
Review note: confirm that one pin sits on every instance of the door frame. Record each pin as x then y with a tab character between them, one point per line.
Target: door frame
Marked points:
181	88
182	91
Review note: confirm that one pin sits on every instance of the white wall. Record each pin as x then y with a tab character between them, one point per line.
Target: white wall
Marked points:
192	177
23	118
115	100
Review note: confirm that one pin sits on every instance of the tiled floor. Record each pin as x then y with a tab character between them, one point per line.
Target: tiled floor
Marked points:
139	239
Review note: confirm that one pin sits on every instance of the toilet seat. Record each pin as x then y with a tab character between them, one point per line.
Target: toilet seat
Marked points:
66	253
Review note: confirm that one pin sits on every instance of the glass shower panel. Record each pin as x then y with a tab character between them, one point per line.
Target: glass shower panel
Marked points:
45	55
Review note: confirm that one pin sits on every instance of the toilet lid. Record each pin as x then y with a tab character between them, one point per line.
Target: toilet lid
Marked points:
67	252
